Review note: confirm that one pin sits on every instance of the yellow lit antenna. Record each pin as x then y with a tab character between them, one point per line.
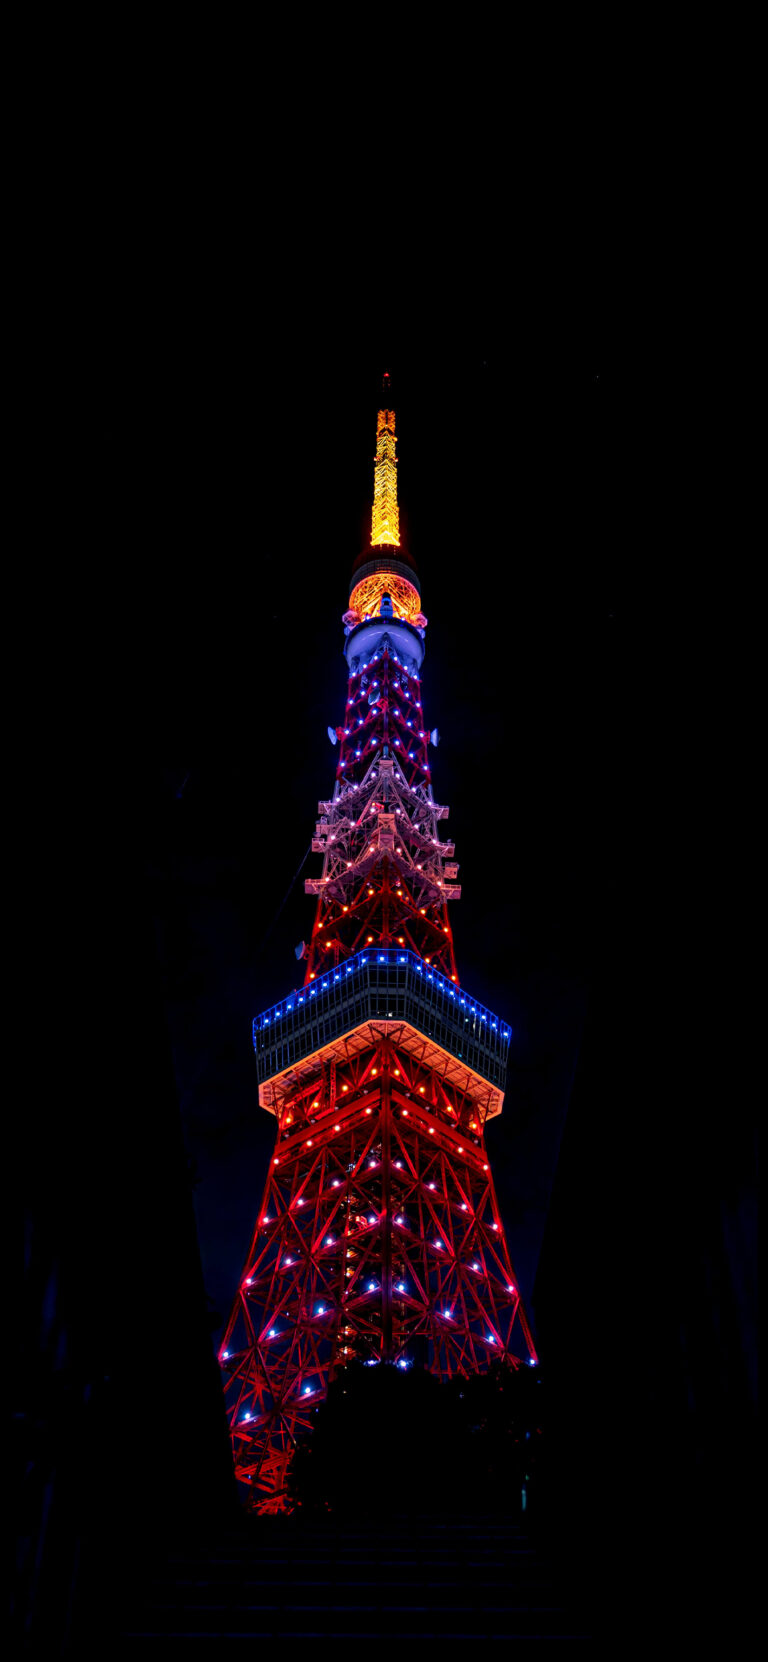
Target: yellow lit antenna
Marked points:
385	520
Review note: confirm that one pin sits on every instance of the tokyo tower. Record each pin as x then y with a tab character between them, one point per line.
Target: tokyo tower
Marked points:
378	1238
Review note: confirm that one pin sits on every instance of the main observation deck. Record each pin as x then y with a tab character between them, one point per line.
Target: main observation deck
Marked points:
385	984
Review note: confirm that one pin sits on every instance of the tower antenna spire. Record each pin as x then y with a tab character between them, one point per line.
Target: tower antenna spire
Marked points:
385	519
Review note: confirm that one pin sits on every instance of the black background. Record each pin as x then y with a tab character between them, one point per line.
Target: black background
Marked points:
559	505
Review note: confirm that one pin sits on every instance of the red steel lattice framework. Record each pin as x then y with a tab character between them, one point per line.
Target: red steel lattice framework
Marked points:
379	1237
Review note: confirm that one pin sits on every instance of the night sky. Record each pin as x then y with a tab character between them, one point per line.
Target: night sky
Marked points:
562	505
203	351
521	495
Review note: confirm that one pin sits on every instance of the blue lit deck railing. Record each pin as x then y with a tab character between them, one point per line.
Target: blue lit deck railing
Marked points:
381	983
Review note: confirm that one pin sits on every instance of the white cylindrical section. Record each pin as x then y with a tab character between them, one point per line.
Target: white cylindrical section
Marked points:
362	642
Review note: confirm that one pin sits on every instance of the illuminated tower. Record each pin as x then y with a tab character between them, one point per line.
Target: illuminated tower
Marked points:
378	1237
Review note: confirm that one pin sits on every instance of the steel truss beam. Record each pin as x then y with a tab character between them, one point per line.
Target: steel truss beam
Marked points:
387	876
378	1239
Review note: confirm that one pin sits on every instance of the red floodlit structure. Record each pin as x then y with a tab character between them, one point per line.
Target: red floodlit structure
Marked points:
379	1237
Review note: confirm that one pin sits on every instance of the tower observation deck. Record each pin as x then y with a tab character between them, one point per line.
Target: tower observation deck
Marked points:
378	1238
